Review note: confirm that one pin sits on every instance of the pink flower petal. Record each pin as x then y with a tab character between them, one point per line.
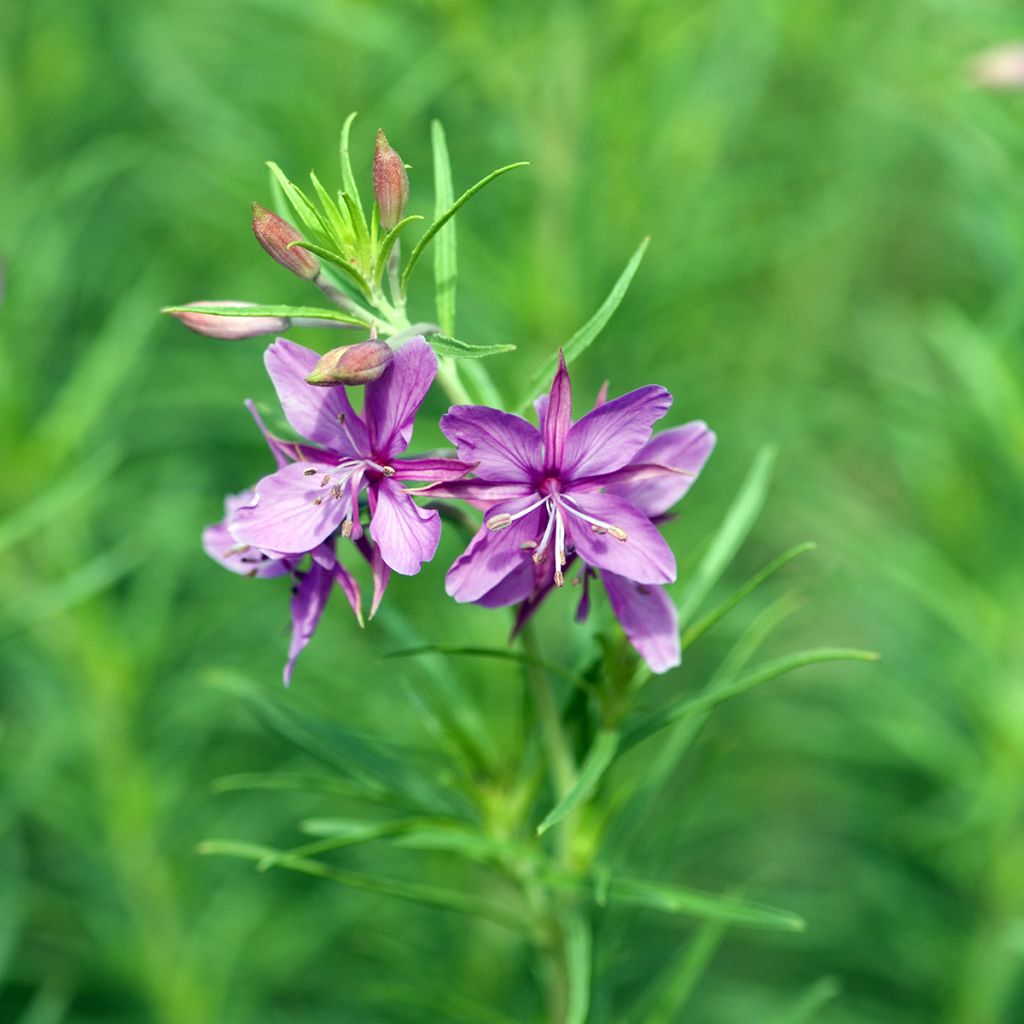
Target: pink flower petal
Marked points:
505	447
406	534
295	508
643	556
313	412
608	437
649	619
393	400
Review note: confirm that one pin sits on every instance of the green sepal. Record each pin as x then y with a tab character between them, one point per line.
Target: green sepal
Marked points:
581	340
449	213
456	349
341	229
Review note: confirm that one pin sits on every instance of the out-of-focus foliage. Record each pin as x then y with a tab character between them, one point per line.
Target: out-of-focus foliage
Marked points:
838	240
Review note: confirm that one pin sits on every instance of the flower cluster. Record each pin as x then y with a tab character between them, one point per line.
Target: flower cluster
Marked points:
586	494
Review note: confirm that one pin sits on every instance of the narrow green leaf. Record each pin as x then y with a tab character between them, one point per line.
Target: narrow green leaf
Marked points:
581	340
445	250
668	993
448	214
677	899
356	216
772	670
292	312
347	177
500	653
456	349
300	781
578	956
806	1006
339	261
696	631
738	522
300	203
69	490
388	243
363	760
342	230
599	757
412	891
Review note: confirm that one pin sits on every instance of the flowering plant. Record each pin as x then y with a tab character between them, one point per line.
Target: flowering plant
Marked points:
563	501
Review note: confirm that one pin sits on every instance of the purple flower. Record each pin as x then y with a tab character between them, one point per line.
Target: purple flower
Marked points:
586	490
312	585
301	505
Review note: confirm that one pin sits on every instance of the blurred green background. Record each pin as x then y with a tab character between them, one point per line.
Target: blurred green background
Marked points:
836	266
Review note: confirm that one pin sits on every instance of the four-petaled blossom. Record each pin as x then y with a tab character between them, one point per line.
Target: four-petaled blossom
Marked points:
297	508
587	489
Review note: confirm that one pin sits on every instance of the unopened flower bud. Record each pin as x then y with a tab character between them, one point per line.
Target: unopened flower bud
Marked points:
275	235
229	328
390	182
352	364
1001	67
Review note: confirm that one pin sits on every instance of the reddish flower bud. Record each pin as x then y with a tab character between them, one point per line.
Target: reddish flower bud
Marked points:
275	234
229	328
390	182
352	364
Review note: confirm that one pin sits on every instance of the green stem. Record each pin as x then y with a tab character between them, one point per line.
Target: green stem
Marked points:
561	765
449	379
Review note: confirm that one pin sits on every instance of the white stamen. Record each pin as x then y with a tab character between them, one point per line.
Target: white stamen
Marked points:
504	519
598	525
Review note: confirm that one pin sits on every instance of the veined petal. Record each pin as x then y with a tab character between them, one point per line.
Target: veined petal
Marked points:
379	570
686	448
649	619
406	534
430	469
294	509
313	412
643	556
393	400
493	555
557	416
609	436
504	446
476	491
242	559
308	604
515	587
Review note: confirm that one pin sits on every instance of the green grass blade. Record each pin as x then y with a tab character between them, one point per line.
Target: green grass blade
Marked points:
347	177
738	522
599	757
581	340
698	629
680	709
445	249
448	214
456	349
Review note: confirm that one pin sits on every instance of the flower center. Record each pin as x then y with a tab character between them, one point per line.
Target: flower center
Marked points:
558	508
